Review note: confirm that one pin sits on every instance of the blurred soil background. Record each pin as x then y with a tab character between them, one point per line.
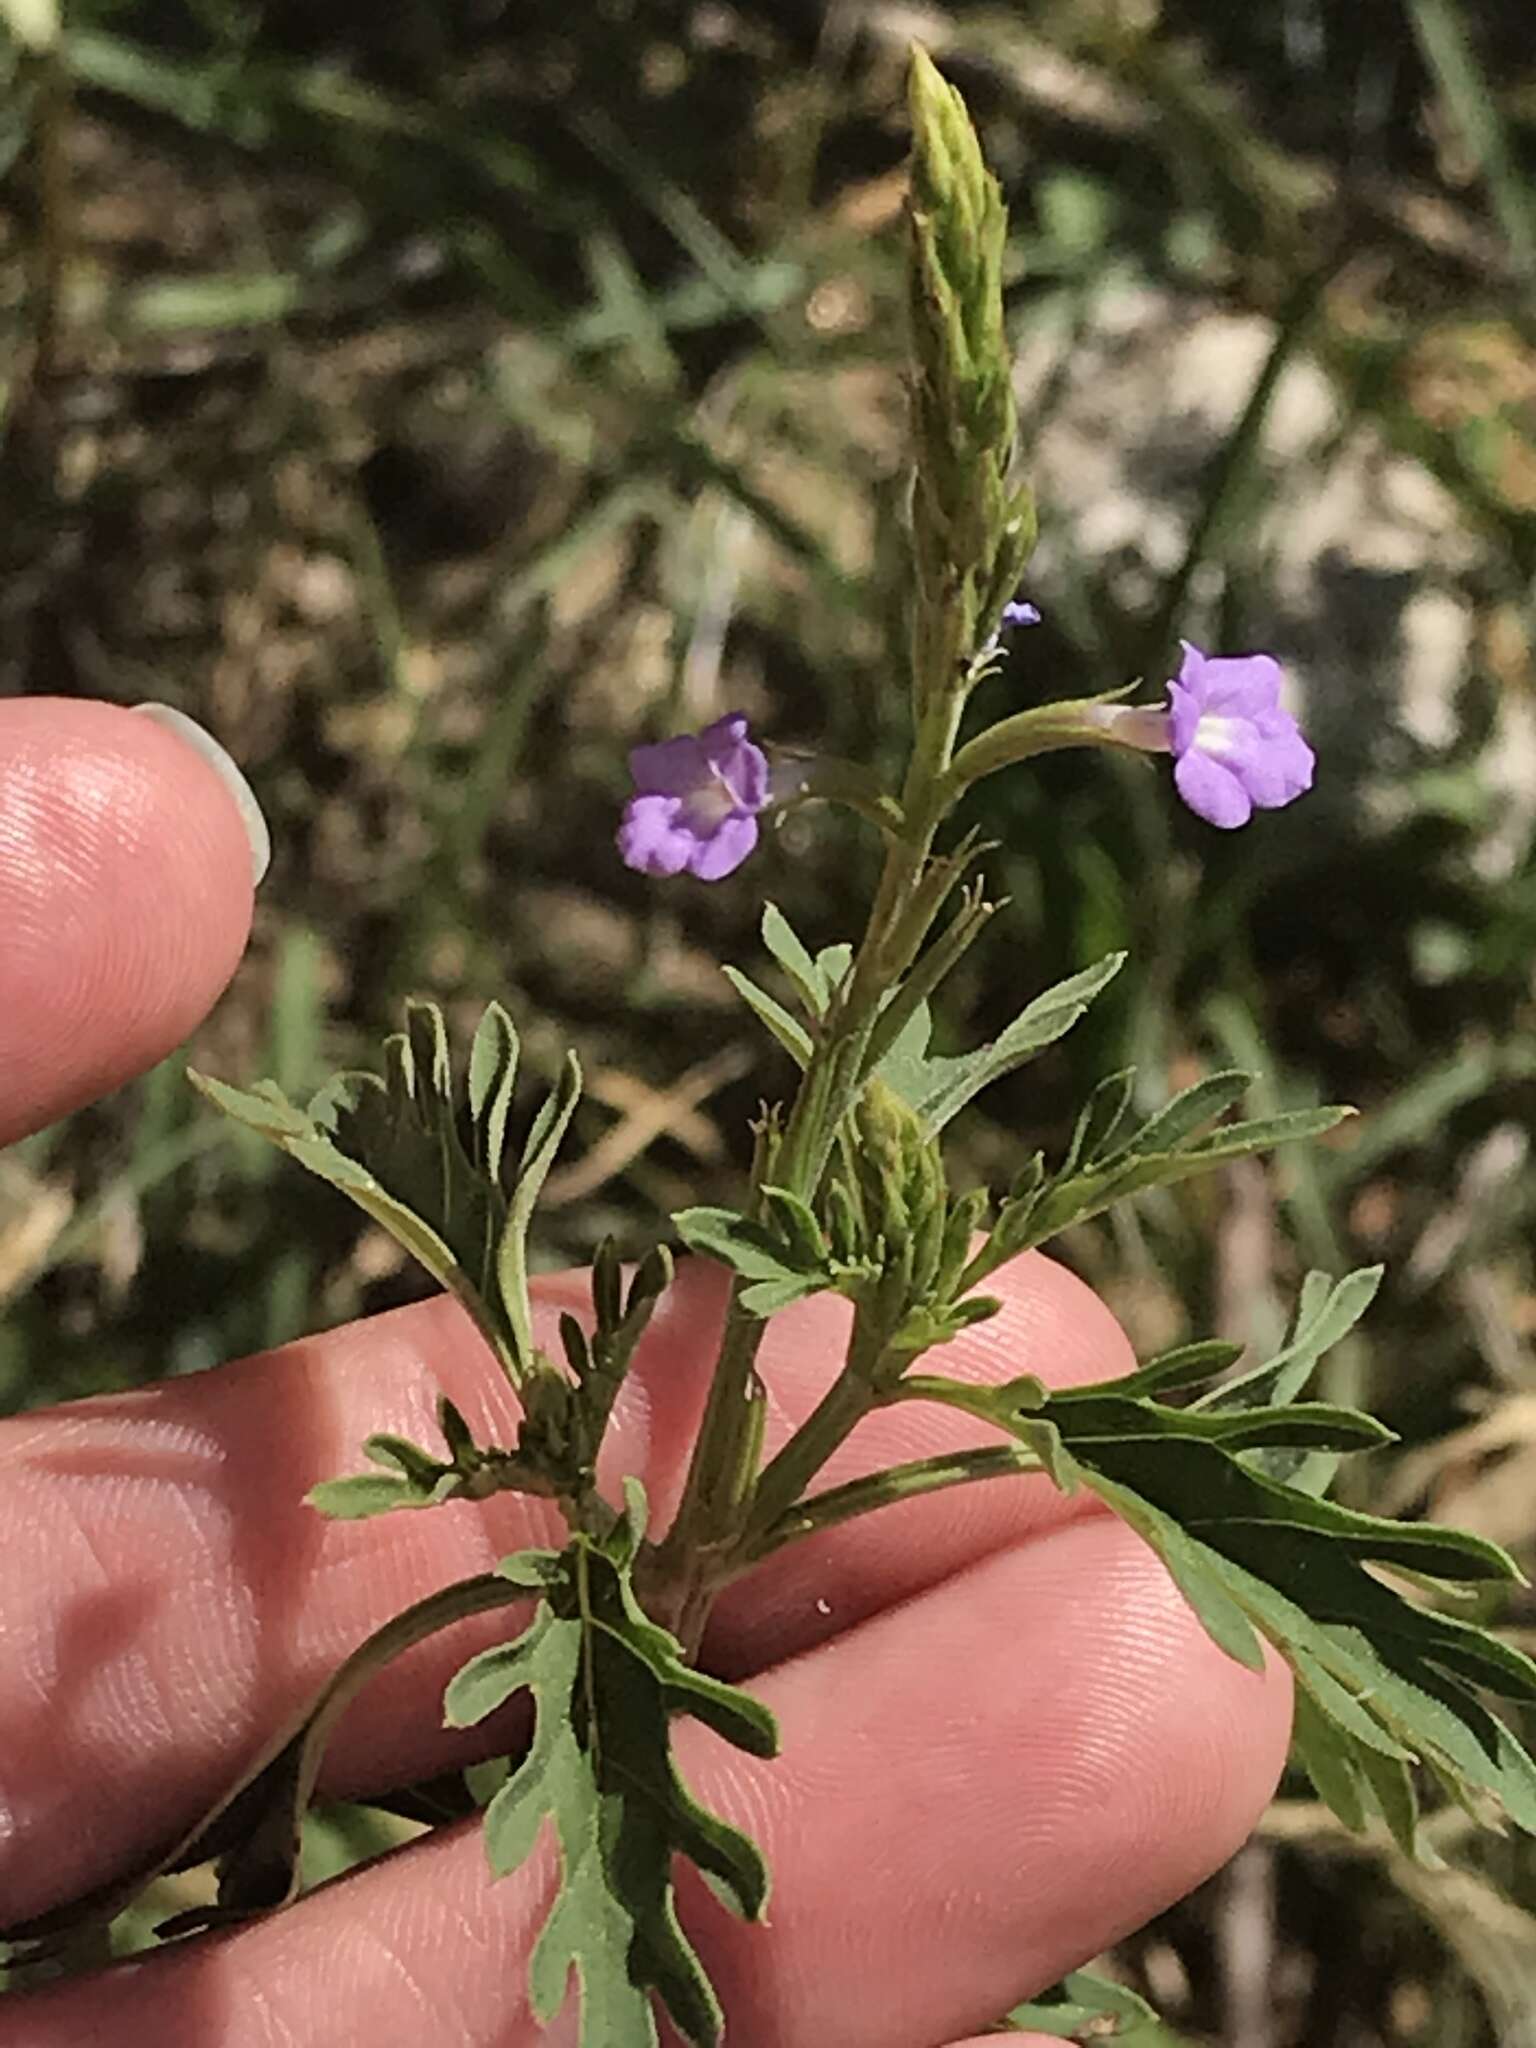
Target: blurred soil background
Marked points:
435	400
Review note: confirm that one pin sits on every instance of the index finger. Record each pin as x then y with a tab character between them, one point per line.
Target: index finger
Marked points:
126	876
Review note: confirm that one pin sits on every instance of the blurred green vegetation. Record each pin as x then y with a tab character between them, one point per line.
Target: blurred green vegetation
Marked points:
437	400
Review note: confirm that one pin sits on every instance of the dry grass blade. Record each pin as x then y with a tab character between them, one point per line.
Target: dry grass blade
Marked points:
33	1212
655	1112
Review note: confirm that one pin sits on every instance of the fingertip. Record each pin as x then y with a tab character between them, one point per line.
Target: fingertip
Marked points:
125	899
1051	1323
218	758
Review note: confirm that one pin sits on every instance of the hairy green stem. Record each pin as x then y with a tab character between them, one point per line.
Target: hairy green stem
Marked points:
836	1415
676	1576
682	1572
879	1489
979	1401
1090	722
935	965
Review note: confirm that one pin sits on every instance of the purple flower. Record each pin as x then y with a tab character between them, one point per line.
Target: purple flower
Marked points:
1233	747
696	802
1015	614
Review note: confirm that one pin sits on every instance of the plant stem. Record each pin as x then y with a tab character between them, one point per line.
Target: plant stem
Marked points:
839	1411
980	1401
936	963
723	1488
1088	722
880	1489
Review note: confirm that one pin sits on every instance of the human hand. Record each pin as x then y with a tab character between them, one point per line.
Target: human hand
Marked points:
1006	1741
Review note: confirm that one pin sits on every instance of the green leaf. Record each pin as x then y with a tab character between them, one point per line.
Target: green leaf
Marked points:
832	964
1385	1683
1099	1414
539	1150
606	1683
793	1036
765	1298
1076	1197
488	1681
354	1499
1083	2007
392	1144
1329	1759
1327	1313
1100	1119
492	1071
1184	1114
939	1087
1396	1800
457	1433
1188	1365
1206	1488
797	1226
782	942
417	1478
905	1066
1397	1676
1264	1133
752	1251
537	1570
399	1454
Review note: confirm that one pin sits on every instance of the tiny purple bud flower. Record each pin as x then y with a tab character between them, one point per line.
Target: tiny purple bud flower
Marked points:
696	802
1015	614
1233	747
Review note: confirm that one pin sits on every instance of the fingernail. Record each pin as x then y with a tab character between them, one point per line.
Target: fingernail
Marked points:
204	743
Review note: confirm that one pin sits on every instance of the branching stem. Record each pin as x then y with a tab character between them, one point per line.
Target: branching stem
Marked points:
897	1482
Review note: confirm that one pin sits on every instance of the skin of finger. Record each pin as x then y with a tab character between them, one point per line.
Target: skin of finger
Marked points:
168	1601
1014	2040
125	901
977	1791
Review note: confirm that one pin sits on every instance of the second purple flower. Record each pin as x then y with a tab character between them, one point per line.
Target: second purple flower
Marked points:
1234	749
696	802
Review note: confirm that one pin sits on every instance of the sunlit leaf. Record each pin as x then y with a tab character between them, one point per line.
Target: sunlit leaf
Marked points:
1083	2007
937	1088
395	1145
1385	1682
755	1253
792	1035
606	1683
811	984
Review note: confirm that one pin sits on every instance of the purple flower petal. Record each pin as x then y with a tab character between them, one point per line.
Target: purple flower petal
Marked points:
1015	614
1292	760
1183	716
1236	685
670	767
725	849
1212	791
740	765
696	802
1274	766
651	840
1233	746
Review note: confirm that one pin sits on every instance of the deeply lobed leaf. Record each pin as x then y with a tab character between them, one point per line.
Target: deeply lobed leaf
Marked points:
1385	1683
606	1683
428	1163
